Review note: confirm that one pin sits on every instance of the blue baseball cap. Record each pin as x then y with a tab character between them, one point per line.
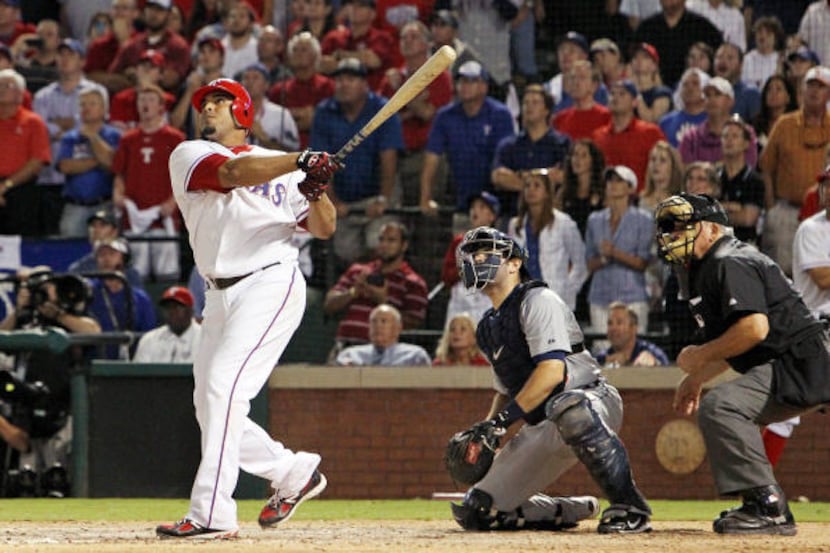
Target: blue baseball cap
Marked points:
71	44
576	38
628	85
12	3
472	70
260	68
488	198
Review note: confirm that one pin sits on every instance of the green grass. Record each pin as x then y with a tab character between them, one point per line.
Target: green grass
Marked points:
415	509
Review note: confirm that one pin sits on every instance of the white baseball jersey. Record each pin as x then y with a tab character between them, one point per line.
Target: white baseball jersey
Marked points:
162	345
811	249
264	217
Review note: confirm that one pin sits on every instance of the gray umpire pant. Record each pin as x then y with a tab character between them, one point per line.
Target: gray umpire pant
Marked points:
730	417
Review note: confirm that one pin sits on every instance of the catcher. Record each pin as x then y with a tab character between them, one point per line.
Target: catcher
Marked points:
544	376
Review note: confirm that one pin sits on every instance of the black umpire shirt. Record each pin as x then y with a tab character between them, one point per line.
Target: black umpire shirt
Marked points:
734	280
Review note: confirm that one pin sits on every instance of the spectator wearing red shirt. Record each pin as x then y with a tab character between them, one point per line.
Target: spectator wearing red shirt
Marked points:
11	26
388	279
302	92
173	47
123	107
142	189
627	140
585	116
26	151
101	52
417	115
374	48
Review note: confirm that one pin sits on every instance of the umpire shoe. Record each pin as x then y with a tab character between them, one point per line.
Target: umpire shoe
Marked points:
186	528
279	509
624	519
764	511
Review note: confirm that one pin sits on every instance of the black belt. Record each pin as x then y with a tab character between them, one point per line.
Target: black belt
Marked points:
578	348
85	203
222	283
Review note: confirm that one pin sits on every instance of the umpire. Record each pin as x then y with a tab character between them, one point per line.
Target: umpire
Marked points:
753	321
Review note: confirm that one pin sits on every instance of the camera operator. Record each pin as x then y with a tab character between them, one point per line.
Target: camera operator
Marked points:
36	393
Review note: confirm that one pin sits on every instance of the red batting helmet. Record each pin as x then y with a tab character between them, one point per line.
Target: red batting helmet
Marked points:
242	108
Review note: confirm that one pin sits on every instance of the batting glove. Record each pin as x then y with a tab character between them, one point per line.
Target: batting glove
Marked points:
312	188
318	165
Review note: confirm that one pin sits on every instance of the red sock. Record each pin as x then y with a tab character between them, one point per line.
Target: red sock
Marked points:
774	446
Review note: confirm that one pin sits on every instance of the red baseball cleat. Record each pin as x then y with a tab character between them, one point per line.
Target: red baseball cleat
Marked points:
186	528
279	509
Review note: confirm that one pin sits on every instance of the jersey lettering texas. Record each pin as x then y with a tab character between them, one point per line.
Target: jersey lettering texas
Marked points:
275	193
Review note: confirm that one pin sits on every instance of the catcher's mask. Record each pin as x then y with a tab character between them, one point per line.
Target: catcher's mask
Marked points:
481	253
676	219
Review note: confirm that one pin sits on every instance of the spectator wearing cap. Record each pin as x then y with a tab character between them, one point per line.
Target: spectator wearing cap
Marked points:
572	47
58	105
672	32
764	60
484	210
373	47
116	305
537	146
26	152
85	158
482	26
618	244
157	36
36	54
273	127
307	87
103	226
703	143
725	17
627	140
209	61
585	115
742	188
148	72
177	340
690	106
102	51
467	132
556	252
240	40
814	28
655	98
444	27
141	188
418	114
368	181
270	50
607	59
11	25
794	154
799	61
729	65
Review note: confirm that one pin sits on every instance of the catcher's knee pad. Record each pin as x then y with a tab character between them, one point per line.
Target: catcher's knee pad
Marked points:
476	511
597	447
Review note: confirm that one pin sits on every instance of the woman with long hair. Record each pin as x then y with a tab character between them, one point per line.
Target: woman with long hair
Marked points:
777	98
457	345
584	188
556	252
318	19
664	175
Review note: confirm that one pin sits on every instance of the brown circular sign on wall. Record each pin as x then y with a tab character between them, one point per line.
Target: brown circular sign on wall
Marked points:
679	446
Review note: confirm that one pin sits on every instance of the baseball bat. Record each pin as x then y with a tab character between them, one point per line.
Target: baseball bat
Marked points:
434	66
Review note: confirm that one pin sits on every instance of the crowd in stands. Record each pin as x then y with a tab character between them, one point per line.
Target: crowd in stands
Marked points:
561	126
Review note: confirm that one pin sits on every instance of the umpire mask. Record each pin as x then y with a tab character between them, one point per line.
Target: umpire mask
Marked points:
676	219
481	253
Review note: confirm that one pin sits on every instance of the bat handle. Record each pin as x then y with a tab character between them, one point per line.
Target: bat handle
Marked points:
349	146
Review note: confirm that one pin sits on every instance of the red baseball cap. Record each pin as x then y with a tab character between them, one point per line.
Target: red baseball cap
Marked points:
650	50
153	56
178	294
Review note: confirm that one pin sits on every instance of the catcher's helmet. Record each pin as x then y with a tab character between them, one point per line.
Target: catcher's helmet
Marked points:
676	230
494	246
242	108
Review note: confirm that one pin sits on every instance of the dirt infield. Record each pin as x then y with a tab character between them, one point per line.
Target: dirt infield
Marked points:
407	536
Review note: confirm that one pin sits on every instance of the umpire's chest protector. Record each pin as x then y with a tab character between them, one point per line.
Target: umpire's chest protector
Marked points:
503	341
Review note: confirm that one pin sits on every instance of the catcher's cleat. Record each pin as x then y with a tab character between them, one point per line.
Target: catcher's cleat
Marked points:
622	519
187	528
279	509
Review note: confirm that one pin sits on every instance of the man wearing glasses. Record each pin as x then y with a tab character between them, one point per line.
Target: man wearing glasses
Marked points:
792	158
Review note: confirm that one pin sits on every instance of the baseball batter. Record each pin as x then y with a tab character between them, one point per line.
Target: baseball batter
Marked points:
241	205
545	376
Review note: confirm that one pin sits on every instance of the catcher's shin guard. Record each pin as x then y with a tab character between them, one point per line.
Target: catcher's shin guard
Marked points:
598	448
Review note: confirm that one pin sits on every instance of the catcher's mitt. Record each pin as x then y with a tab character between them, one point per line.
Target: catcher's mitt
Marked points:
470	452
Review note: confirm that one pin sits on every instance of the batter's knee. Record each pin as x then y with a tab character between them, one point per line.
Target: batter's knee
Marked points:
476	511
